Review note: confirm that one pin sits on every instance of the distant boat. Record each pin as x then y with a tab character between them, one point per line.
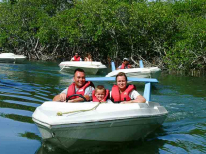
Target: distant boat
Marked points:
88	66
142	72
11	57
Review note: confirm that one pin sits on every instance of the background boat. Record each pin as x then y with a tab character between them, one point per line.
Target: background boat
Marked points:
142	72
89	67
11	57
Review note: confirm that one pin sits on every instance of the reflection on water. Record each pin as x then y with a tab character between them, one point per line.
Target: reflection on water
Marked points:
23	87
30	136
194	73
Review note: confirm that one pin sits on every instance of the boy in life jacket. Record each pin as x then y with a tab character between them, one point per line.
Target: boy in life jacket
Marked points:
125	64
100	94
76	57
123	93
79	86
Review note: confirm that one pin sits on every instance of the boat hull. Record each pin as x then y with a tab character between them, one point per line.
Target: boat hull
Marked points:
71	125
10	57
108	123
88	67
70	69
148	72
116	131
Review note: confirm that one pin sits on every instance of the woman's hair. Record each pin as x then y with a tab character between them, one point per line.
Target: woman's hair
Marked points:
100	87
87	57
88	54
121	74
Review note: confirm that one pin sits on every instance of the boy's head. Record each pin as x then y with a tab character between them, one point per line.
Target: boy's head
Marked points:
100	92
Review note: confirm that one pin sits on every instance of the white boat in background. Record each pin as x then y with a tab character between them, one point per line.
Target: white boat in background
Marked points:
89	67
10	57
142	72
148	72
90	124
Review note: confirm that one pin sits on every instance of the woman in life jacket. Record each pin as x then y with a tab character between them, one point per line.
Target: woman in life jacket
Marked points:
88	57
125	64
121	92
76	57
100	94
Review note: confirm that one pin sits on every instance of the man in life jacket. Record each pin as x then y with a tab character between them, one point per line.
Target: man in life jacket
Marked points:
125	64
79	86
76	57
125	93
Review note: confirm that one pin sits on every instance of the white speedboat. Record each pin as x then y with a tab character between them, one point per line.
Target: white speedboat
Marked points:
142	72
147	72
89	67
10	57
90	124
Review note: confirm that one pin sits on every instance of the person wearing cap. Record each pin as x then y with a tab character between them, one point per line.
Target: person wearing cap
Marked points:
125	64
76	57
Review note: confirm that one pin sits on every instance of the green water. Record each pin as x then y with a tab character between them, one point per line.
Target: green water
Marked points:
23	87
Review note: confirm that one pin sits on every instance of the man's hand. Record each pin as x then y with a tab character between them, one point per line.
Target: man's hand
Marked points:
59	98
62	97
79	99
70	101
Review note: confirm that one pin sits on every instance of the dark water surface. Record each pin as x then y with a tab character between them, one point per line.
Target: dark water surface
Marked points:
23	87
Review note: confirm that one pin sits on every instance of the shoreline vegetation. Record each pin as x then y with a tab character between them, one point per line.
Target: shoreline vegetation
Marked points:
170	34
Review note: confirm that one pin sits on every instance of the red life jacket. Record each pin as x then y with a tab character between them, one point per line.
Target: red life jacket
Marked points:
94	98
76	58
124	96
80	91
123	66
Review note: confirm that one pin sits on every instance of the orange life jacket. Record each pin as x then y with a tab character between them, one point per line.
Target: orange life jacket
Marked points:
123	66
94	98
76	58
80	91
124	96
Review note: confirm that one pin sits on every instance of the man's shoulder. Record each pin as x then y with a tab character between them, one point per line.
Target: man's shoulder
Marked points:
90	88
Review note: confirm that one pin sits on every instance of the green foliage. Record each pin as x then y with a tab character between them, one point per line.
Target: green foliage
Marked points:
188	50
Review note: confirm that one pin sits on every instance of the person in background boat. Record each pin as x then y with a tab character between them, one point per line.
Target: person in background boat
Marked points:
76	57
109	61
79	86
125	64
125	93
88	57
100	94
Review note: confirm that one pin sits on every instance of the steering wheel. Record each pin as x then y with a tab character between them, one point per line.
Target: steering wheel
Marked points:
76	95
